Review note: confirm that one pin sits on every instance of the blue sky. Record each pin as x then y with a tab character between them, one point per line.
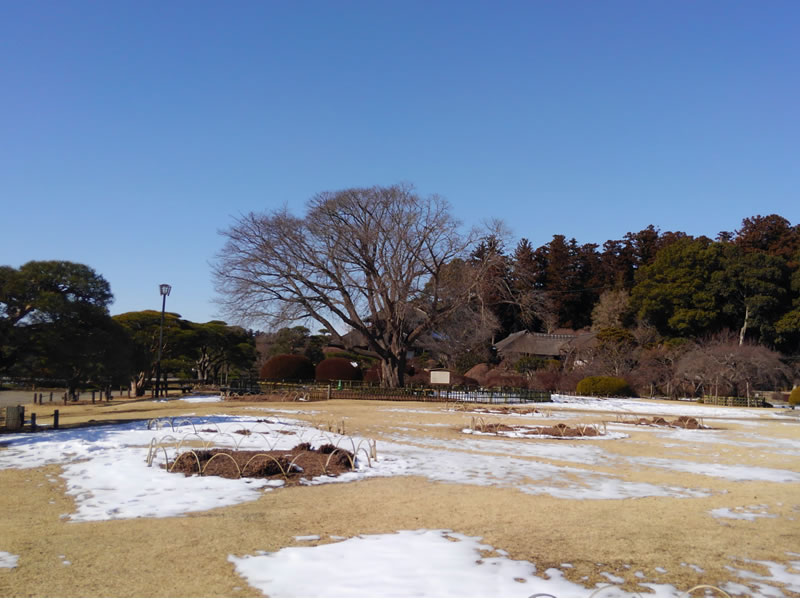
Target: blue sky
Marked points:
132	131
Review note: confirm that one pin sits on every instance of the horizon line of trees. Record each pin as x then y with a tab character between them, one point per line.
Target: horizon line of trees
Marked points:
396	271
55	326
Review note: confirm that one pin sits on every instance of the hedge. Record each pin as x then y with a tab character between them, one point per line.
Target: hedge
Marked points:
288	367
337	369
794	397
603	386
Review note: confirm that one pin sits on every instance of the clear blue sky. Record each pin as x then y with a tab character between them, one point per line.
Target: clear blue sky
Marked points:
132	131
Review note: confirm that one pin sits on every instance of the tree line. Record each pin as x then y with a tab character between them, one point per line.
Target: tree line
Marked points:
56	329
385	272
394	268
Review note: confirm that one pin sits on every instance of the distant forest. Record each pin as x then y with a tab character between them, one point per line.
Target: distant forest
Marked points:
746	281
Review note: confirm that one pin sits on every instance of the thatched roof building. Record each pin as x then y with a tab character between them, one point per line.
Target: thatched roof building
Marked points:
545	345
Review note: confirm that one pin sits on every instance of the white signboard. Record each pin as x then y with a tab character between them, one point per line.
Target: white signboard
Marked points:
440	377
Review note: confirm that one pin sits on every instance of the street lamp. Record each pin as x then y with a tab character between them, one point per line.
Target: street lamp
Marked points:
164	289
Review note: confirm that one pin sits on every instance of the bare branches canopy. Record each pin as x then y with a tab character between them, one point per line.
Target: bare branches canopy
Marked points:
373	260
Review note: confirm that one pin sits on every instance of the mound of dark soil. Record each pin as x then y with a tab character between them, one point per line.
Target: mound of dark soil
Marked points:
560	430
301	462
683	422
498	410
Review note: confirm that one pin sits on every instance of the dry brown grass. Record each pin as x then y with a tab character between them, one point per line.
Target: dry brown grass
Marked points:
187	556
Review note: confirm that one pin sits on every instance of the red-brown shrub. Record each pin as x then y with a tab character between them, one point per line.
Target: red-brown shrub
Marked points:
337	369
503	379
287	367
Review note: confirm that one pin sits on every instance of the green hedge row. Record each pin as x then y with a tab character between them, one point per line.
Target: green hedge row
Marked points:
604	386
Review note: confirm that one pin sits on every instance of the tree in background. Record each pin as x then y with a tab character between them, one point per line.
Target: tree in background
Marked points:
55	324
291	340
222	351
772	234
207	352
721	366
752	287
360	258
142	327
611	310
787	327
674	292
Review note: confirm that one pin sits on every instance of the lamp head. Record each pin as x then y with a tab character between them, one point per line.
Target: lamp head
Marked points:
165	289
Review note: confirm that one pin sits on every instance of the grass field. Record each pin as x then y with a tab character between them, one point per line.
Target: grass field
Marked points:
642	510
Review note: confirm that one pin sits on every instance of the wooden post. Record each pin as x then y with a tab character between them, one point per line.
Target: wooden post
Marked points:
51	397
15	417
55	419
33	421
66	395
101	397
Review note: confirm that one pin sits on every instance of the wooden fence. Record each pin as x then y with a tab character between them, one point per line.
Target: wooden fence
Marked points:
359	391
733	401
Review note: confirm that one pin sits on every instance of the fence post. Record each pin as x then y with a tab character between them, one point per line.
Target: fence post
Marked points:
51	397
15	417
55	419
93	397
33	421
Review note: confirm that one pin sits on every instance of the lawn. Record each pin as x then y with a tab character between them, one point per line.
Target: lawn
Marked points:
444	500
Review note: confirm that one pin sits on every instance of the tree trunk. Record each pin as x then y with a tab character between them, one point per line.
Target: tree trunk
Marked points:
137	384
393	371
744	326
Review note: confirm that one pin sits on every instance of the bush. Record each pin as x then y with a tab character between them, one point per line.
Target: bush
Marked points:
603	386
529	363
287	367
497	379
794	397
337	369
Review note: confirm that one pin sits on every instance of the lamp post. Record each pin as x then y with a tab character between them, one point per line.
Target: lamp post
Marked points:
164	289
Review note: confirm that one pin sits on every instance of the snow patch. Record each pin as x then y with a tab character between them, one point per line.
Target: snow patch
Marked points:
8	560
749	513
201	399
438	563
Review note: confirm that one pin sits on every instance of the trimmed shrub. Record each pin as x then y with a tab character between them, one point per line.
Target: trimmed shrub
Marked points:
373	374
529	363
337	369
794	397
603	386
498	378
478	372
287	367
547	380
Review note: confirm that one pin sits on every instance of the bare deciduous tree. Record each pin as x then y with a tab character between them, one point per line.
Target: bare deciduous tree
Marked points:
722	367
373	260
610	309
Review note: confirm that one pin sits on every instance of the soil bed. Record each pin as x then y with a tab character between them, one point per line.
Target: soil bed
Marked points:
683	422
300	463
560	430
499	410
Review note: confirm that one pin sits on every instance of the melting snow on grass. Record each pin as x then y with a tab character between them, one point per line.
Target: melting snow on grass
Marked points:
745	513
201	399
634	406
436	563
8	560
106	473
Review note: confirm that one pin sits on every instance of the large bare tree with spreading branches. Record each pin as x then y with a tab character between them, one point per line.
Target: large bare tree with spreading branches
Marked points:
371	260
